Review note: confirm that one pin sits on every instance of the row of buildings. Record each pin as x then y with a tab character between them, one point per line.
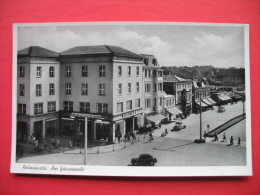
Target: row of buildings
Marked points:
106	89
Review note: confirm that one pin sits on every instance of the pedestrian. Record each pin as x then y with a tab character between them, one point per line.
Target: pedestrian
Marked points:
216	137
205	135
231	140
224	138
118	137
166	131
238	143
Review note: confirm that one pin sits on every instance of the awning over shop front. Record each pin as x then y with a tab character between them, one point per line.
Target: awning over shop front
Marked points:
202	104
174	110
211	100
207	102
224	98
155	118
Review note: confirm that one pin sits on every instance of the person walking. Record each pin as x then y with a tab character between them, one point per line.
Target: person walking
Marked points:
238	142
231	140
205	135
224	138
216	137
166	131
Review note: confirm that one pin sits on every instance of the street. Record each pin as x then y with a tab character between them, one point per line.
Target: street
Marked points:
176	149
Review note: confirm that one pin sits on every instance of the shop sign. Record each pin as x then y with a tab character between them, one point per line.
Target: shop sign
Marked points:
127	114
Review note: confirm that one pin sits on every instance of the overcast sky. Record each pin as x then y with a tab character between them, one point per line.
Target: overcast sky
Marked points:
172	45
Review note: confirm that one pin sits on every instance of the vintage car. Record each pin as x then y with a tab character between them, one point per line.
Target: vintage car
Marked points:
221	109
144	160
178	126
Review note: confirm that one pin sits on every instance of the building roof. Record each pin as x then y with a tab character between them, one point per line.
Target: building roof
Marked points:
99	49
36	51
173	78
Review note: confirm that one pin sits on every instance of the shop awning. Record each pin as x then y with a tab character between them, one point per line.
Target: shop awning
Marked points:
211	100
174	110
155	118
202	104
224	98
207	102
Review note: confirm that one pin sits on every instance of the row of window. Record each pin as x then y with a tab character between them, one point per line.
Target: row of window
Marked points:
38	108
147	102
169	102
85	106
201	94
129	88
67	105
129	105
84	71
147	87
183	85
150	73
129	71
38	71
84	89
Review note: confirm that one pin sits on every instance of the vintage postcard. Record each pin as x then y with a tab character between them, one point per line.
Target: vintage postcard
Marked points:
131	99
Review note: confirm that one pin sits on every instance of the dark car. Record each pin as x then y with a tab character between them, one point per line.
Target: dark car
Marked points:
178	126
143	160
221	109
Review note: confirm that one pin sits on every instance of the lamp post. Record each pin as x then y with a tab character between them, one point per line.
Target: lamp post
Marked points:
86	116
200	140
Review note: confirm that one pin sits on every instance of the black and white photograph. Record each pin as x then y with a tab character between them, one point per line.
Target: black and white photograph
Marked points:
131	99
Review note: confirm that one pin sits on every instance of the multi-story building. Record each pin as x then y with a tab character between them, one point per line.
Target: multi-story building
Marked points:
38	92
201	95
104	81
104	89
152	91
181	89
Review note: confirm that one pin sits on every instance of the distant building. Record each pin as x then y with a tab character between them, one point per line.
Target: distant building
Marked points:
181	89
231	77
201	95
152	91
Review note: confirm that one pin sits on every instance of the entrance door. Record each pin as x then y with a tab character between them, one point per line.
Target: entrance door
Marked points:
22	131
129	125
90	130
38	129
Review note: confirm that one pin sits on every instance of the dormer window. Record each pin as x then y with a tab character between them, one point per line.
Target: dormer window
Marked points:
146	61
154	62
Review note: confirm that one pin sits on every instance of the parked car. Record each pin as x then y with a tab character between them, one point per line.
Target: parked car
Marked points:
221	109
178	126
144	159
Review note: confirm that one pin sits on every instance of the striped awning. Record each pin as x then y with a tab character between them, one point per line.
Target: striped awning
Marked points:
207	102
174	110
155	118
211	100
202	104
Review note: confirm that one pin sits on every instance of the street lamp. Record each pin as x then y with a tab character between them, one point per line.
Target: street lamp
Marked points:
86	116
200	140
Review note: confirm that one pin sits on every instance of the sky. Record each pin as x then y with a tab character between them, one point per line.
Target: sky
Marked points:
172	44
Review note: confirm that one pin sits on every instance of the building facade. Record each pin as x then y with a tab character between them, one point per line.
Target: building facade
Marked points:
37	93
201	96
181	89
105	89
152	91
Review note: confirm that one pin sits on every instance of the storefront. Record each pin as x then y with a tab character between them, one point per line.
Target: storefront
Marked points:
154	120
51	127
204	100
173	113
202	105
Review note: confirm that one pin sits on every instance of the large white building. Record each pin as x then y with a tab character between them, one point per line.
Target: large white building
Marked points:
108	88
